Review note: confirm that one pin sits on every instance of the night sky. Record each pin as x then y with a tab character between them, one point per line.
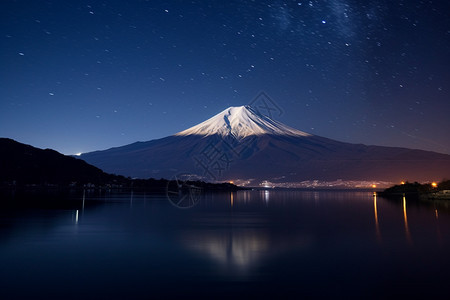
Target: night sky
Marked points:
78	76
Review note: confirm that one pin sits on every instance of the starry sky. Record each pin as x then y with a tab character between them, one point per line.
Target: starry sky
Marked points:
79	76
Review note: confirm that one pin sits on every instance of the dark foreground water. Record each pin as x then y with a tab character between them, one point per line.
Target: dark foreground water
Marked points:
249	244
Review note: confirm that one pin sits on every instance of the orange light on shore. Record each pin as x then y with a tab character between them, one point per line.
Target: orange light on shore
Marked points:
434	184
374	185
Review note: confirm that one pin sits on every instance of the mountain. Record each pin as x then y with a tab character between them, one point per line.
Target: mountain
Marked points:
24	164
241	144
239	123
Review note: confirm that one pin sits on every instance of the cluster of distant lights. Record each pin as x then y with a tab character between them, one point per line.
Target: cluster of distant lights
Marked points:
265	184
433	184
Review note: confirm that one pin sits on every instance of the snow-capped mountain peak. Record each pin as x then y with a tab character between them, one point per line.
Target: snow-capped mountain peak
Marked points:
241	122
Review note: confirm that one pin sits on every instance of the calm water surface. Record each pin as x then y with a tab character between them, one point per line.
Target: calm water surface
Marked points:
249	244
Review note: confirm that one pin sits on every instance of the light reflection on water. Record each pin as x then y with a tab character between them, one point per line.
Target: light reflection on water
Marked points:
233	249
253	242
405	219
375	211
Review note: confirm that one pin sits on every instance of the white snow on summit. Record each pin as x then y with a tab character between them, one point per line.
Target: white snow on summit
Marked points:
240	122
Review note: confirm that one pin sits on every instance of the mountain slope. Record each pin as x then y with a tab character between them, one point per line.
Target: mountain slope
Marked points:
25	164
240	122
239	143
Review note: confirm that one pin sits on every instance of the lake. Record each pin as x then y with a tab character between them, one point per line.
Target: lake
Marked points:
246	244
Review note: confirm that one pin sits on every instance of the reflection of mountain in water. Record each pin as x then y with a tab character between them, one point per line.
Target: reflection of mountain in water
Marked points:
240	248
242	238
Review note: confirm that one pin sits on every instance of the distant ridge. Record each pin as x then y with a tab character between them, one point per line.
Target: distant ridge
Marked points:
25	164
241	145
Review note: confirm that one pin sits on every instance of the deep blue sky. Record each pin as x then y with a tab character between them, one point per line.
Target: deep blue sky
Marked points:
79	76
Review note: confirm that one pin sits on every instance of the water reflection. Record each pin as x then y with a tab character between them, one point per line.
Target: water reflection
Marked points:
290	241
84	200
375	210
405	220
266	196
131	199
237	250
